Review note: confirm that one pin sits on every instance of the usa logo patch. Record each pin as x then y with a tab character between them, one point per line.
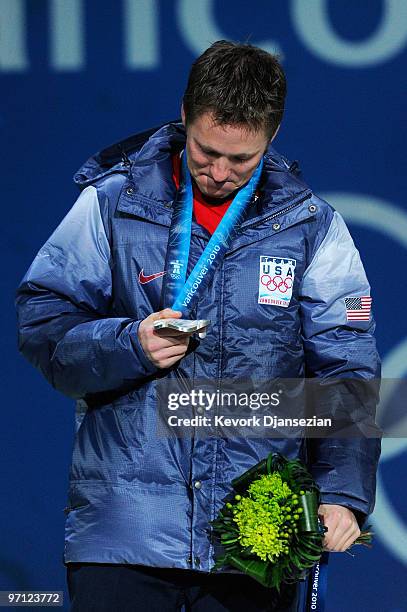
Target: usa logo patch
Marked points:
276	280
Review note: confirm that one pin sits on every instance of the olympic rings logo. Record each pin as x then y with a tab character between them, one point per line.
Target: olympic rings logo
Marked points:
276	282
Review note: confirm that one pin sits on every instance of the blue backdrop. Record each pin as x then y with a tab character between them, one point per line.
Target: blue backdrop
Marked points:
78	75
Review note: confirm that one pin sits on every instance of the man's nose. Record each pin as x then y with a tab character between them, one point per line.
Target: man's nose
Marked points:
220	170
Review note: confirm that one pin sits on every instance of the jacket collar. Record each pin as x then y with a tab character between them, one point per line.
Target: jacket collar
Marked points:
149	190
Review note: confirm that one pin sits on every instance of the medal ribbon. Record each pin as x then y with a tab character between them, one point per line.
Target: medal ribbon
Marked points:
183	292
317	586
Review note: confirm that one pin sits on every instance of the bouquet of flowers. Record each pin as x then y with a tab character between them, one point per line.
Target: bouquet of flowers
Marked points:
270	528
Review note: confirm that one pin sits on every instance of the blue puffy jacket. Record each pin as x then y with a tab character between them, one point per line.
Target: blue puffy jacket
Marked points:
136	497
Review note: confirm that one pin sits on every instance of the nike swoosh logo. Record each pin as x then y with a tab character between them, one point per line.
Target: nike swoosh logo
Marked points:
147	279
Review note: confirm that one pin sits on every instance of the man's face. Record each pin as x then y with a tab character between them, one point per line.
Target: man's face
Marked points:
222	158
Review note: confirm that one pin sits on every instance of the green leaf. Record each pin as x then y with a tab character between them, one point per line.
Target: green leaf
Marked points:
243	482
259	570
308	520
229	541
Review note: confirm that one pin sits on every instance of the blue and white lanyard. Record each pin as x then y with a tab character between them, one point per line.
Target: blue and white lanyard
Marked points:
181	292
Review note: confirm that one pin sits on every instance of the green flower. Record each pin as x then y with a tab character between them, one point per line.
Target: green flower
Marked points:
261	519
269	485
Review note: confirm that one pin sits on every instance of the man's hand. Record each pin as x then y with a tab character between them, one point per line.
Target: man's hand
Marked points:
163	352
342	526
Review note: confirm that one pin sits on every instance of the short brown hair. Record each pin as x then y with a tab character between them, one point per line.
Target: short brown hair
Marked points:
239	84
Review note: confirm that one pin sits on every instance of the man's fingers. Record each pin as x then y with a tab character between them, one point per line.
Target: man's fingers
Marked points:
341	544
332	534
330	537
167	313
160	349
167	357
172	351
335	539
159	342
155	345
331	519
168	363
342	527
347	539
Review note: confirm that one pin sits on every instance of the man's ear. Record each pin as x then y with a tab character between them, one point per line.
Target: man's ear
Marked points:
183	115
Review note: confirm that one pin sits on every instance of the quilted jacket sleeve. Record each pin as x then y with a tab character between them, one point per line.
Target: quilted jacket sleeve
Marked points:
63	302
341	353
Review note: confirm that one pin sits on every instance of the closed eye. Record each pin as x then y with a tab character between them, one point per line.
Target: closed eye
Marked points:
209	152
235	158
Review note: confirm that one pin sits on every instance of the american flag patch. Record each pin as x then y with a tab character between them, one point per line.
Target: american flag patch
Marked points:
358	308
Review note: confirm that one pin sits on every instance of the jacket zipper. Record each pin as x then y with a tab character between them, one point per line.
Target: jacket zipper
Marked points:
280	212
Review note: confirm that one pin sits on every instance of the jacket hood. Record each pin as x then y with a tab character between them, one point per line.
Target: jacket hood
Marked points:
138	154
122	155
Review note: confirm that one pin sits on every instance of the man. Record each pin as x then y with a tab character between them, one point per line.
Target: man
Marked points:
139	504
